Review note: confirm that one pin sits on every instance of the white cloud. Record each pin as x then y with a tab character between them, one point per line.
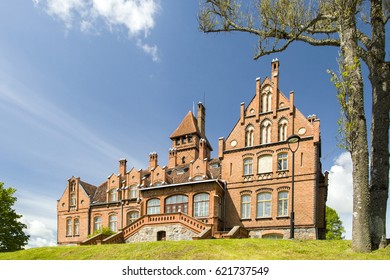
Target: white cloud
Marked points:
136	16
39	215
340	192
152	50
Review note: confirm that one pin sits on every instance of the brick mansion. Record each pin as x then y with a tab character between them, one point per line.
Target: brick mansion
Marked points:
246	191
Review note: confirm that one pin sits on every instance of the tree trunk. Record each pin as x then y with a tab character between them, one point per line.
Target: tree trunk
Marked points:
379	161
357	136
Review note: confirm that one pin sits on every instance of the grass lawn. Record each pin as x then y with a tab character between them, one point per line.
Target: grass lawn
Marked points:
213	249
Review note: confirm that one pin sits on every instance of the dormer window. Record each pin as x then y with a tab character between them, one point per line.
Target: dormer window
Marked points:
190	138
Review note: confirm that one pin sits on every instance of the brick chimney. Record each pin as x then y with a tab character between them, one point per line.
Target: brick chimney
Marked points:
201	119
172	158
122	166
275	81
152	160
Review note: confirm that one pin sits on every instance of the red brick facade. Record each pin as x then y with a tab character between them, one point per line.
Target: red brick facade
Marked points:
247	186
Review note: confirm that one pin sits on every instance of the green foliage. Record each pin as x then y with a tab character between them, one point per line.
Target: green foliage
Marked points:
334	226
12	237
105	230
343	84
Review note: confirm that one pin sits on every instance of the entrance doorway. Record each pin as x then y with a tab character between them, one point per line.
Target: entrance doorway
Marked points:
161	235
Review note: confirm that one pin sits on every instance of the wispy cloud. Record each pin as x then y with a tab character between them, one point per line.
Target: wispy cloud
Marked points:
39	215
136	16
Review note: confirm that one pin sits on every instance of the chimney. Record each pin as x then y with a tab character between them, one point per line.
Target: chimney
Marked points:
152	160
201	119
220	147
275	81
292	114
242	113
258	96
172	158
202	148
122	166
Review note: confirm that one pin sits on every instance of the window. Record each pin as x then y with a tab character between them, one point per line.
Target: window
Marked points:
264	164
248	166
132	217
245	206
69	227
113	222
282	131
176	204
76	229
249	132
133	192
266	102
283	204
272	236
73	199
201	205
264	205
282	162
265	132
97	223
113	195
153	206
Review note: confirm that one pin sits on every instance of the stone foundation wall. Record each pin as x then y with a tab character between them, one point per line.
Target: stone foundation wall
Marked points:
299	233
172	232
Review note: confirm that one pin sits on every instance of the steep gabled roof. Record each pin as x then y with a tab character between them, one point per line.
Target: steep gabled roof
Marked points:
89	189
187	126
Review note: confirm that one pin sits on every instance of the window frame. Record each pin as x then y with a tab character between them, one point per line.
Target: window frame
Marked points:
248	166
282	161
176	207
245	206
153	209
265	204
201	205
283	204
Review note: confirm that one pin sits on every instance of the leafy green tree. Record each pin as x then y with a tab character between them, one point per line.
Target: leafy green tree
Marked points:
12	236
334	226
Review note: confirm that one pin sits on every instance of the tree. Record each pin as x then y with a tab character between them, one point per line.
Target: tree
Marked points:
12	237
278	23
334	226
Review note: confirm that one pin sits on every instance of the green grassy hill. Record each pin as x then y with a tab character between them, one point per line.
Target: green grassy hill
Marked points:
215	249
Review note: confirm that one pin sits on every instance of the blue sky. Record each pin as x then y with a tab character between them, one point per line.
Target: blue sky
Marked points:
82	86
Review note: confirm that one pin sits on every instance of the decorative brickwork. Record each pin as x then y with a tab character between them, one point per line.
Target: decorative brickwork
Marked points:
247	187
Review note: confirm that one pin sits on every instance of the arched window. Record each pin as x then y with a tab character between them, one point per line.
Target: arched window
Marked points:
97	223
283	203
245	206
69	227
201	205
264	164
282	130
265	131
266	102
264	205
132	217
282	162
113	195
249	134
76	227
248	166
176	204
133	192
113	222
153	206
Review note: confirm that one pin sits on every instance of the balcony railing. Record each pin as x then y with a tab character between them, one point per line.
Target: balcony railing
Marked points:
171	218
